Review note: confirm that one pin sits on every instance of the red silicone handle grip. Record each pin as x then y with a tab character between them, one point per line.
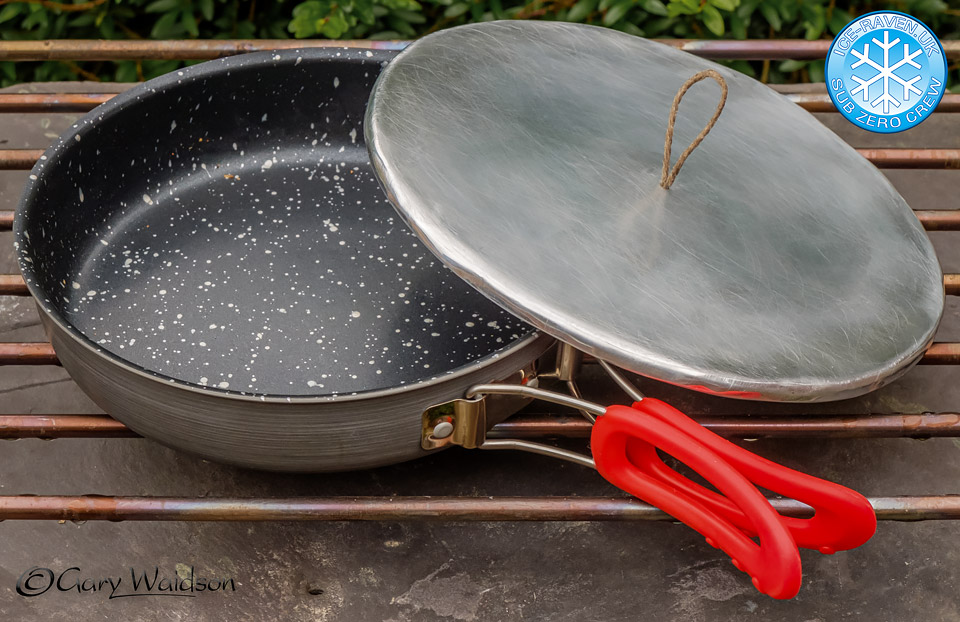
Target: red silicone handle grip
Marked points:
843	519
625	442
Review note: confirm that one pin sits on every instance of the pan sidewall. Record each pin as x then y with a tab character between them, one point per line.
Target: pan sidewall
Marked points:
294	436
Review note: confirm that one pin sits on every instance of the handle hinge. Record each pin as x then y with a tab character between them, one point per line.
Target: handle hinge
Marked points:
461	422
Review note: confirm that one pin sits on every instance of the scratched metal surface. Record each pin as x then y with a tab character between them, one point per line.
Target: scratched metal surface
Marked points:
531	166
432	572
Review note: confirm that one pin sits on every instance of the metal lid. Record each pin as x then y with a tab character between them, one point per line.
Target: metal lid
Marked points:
780	265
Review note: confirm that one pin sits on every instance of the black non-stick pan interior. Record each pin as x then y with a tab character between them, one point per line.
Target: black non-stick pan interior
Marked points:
221	226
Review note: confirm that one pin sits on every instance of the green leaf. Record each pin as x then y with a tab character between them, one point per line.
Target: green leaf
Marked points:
36	18
61	22
306	18
9	70
726	5
738	26
747	7
713	20
385	35
676	8
154	68
617	12
581	10
815	22
161	6
106	27
816	69
85	19
9	12
401	26
335	25
789	66
456	10
167	27
411	5
839	20
364	11
657	26
789	11
126	71
246	30
206	9
655	7
411	17
772	16
743	67
190	23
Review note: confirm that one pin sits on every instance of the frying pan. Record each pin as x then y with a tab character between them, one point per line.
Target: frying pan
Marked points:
217	267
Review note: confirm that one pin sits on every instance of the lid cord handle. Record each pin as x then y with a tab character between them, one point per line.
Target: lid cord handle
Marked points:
668	175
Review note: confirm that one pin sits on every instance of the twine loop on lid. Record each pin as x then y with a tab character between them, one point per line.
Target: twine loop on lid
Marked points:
668	175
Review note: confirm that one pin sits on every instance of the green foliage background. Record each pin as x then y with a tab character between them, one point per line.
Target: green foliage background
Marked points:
406	19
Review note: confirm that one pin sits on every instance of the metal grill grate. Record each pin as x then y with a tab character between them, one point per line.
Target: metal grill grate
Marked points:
540	425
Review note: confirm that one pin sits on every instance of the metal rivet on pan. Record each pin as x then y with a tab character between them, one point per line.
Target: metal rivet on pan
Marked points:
443	429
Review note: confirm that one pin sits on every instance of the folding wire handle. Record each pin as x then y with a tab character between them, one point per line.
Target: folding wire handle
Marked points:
624	443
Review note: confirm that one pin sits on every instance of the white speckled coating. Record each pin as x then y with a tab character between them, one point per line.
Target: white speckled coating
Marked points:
222	227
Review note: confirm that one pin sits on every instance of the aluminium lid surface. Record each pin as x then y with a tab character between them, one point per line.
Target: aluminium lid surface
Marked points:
781	265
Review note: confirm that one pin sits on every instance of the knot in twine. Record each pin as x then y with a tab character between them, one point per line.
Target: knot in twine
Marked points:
667	176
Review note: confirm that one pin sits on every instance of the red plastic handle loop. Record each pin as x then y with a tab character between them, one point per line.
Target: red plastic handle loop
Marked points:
625	442
774	565
843	518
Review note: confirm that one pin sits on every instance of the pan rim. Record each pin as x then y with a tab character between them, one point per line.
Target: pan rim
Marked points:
116	105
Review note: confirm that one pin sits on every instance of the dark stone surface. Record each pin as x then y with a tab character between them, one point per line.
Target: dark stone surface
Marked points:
416	571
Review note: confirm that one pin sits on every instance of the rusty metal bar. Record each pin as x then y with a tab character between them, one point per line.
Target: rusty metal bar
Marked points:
91	507
194	49
51	102
84	102
944	353
941	353
27	354
62	426
939	220
951	284
81	49
24	159
924	425
13	285
19	159
817	102
913	158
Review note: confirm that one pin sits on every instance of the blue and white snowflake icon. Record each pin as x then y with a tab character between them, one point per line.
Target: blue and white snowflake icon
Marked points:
886	72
